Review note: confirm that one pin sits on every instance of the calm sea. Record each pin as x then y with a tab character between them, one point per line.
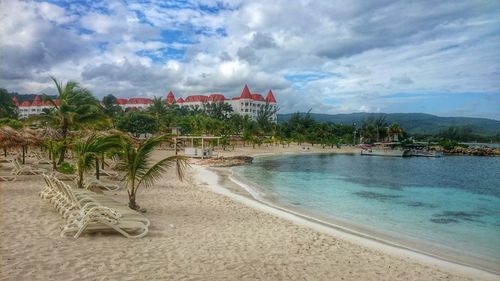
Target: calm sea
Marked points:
448	206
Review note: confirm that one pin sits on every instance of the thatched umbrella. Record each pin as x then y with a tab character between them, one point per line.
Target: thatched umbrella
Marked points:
8	138
28	138
48	133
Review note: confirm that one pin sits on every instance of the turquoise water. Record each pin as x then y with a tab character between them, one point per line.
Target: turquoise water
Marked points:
440	205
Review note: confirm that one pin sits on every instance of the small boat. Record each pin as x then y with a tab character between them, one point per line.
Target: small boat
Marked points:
386	152
425	153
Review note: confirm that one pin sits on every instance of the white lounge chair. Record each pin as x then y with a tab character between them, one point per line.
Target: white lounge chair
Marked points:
88	211
7	178
40	159
26	169
103	219
90	183
110	174
63	177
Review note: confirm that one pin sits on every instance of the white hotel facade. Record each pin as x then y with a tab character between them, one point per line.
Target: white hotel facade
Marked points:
247	104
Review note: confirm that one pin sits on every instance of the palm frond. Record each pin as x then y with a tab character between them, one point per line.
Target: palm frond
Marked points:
157	170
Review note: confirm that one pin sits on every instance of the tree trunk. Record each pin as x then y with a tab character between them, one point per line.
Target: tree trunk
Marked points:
131	201
80	179
23	154
97	168
64	135
5	152
102	161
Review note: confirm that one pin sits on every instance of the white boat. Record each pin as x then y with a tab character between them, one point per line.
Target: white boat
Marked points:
386	152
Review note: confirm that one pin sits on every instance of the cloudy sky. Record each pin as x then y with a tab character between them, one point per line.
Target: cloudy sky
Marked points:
439	57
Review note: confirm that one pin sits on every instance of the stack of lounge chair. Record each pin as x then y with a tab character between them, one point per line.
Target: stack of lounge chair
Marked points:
25	169
87	211
40	159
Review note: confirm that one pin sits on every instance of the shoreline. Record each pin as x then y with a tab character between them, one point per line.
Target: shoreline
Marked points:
351	233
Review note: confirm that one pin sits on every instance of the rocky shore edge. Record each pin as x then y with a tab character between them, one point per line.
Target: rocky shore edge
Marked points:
226	161
476	151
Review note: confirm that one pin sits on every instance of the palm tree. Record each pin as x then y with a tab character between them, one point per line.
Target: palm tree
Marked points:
74	105
7	106
138	169
89	150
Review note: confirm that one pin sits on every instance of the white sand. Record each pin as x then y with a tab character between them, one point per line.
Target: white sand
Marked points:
195	234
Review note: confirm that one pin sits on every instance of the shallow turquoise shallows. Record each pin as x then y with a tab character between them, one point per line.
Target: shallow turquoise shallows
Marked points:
448	206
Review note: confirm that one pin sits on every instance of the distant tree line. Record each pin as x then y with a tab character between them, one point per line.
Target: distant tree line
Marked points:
218	119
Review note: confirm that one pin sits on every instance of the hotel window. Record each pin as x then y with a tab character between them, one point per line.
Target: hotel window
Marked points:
246	103
246	110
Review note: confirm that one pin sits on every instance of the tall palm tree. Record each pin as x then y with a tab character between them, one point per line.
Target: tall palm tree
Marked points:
158	108
395	129
87	151
74	105
139	170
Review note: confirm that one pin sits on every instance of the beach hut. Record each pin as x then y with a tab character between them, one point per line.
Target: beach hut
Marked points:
197	152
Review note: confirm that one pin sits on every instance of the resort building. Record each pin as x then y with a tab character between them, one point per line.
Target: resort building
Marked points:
27	109
247	104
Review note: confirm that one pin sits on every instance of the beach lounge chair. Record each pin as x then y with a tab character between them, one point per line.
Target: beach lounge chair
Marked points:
101	218
25	170
63	177
110	174
7	178
40	159
88	211
90	183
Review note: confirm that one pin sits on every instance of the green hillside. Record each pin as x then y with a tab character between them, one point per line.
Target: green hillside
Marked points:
413	123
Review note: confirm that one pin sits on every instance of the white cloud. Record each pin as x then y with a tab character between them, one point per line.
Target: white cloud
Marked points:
358	52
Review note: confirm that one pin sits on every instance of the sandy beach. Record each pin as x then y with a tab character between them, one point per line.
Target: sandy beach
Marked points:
197	232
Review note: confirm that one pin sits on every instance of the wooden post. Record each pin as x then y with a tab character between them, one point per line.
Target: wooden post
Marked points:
175	146
202	150
23	154
102	161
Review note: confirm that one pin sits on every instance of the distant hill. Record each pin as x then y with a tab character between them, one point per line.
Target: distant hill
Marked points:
413	123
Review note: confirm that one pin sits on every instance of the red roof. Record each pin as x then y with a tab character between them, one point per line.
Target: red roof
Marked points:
245	94
196	98
139	101
180	100
121	101
270	97
257	97
25	103
15	101
170	98
216	97
37	101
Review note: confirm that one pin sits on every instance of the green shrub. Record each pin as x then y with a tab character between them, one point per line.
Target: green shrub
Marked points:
66	168
448	144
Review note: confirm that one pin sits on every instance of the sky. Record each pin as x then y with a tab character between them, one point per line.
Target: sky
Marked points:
437	57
